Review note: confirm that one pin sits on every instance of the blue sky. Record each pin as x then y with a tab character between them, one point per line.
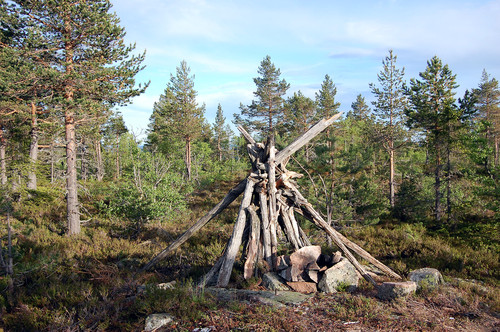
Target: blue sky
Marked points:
224	42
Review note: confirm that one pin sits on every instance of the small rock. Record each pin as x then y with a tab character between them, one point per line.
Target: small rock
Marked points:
204	329
273	281
426	277
303	287
337	257
155	321
167	285
313	275
341	274
393	290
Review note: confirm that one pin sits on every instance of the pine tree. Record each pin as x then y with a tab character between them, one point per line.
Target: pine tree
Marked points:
389	108
265	113
359	109
488	104
177	115
433	111
81	43
221	133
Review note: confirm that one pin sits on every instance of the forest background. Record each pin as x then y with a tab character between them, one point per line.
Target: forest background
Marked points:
419	164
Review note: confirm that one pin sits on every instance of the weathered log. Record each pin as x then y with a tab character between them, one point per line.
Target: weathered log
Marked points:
253	243
230	197
305	138
360	251
266	230
304	237
207	278
334	235
316	218
295	227
246	135
271	171
287	228
235	240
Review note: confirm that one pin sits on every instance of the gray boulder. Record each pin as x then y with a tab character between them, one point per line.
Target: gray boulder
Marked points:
426	278
342	274
394	290
155	321
272	281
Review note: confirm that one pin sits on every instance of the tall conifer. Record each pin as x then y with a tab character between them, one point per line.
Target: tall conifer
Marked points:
81	42
265	113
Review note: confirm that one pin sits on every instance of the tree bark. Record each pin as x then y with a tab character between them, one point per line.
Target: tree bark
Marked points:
3	162
33	154
437	186
117	157
73	213
99	161
391	174
188	158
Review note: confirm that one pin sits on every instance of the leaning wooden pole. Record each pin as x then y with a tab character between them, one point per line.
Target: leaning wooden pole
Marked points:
230	197
235	240
305	138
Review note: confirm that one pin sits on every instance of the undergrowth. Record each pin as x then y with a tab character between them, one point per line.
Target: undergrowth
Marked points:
93	281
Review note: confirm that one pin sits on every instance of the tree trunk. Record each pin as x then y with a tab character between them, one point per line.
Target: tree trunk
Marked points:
448	184
391	174
84	170
437	186
3	163
497	150
33	150
73	214
117	157
99	162
188	158
71	181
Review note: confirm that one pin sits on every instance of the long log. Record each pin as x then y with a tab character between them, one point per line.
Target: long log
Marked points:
295	227
230	197
235	240
333	234
305	138
288	229
246	135
253	244
301	201
271	187
266	230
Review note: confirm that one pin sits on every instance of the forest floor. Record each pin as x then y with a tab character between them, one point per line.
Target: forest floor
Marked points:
92	282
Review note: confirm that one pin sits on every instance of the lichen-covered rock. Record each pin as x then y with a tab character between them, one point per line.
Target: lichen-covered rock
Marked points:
272	281
343	274
155	321
426	278
394	290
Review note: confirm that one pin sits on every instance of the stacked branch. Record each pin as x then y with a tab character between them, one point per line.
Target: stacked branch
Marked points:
270	201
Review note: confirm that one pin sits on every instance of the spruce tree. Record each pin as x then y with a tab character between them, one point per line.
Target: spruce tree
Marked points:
177	115
81	43
432	110
389	109
265	113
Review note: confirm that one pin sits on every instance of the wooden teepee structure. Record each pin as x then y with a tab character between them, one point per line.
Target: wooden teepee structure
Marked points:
270	201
